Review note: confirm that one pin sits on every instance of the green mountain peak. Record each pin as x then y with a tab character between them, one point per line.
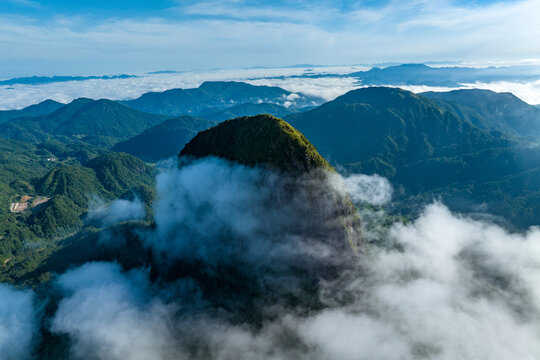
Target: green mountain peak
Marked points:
258	140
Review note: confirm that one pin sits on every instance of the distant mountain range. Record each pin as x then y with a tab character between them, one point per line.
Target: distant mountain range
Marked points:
420	74
216	95
39	80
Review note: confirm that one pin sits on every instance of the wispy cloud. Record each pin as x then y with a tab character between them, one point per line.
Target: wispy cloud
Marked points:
246	33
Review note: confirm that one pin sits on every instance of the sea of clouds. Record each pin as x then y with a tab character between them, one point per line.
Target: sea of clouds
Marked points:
19	96
441	287
288	78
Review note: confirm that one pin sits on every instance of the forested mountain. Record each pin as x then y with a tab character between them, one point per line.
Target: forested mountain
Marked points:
216	95
261	139
163	140
470	148
490	110
100	122
427	150
43	108
51	201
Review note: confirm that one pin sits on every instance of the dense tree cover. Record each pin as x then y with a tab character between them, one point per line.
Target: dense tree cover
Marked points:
426	151
164	140
467	148
28	238
43	108
98	122
504	112
261	139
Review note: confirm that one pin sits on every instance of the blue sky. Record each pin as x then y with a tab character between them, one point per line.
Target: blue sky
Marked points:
45	37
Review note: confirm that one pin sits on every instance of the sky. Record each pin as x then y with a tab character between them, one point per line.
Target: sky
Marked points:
58	37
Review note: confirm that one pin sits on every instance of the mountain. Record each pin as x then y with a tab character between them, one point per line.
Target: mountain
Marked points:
420	74
301	187
261	139
504	112
71	188
217	95
43	108
376	128
268	142
247	109
164	140
37	80
119	172
74	182
56	195
96	121
426	151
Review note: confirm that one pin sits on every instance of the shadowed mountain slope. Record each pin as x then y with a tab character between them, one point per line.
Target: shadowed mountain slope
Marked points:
84	119
504	112
43	108
163	140
426	151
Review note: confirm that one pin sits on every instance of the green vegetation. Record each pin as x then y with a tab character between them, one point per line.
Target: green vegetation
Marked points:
261	139
31	236
118	172
164	140
43	108
101	123
503	112
426	151
467	148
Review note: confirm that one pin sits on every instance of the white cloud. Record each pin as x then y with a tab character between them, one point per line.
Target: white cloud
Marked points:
108	316
239	34
117	211
372	189
451	288
18	323
19	96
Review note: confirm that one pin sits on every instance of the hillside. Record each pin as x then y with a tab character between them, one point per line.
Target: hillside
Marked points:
426	150
215	95
372	128
504	112
164	140
43	108
247	109
31	236
100	122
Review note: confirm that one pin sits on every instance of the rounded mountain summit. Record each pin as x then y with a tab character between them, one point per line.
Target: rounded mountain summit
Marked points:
307	179
258	140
